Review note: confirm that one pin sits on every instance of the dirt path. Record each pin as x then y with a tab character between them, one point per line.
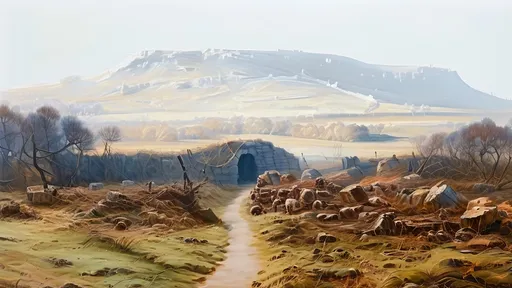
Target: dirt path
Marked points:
241	265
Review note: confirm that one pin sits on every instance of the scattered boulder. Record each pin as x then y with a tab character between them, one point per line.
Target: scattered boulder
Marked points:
127	222
320	183
387	165
480	218
378	202
96	186
307	197
127	183
483	188
353	194
350	212
413	198
42	197
480	202
465	234
292	205
325	238
444	197
310	174
324	195
384	225
317	205
334	188
271	177
288	178
256	210
114	196
10	209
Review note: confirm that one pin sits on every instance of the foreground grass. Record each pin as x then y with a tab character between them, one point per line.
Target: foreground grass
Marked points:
146	257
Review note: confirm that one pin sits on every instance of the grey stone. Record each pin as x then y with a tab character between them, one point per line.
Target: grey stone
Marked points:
310	174
96	186
127	183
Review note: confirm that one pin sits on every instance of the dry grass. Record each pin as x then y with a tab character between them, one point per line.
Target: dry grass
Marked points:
154	255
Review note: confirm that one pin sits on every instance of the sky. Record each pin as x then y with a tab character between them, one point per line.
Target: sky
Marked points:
45	41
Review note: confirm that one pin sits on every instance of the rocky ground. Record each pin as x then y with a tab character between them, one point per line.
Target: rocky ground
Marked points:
112	237
390	231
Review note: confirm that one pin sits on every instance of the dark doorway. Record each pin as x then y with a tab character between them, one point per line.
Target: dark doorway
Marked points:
247	171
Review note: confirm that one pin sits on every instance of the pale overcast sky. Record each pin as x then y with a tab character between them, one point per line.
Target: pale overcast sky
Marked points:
44	41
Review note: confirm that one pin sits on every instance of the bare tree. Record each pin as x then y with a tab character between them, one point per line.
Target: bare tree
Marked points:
41	130
48	118
82	137
428	147
109	135
480	151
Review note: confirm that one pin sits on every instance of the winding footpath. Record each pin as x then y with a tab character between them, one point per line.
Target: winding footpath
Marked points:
241	265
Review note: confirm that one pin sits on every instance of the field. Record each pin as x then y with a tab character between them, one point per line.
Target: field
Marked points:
310	147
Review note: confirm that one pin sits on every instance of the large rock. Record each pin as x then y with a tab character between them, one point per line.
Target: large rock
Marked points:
414	199
383	225
310	174
479	218
287	179
386	166
127	183
40	198
271	177
96	186
444	197
480	202
483	188
353	194
325	238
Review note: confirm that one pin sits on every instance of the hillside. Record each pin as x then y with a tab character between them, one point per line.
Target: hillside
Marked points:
274	83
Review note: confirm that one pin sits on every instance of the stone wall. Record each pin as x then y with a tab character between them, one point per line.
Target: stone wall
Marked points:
218	163
267	156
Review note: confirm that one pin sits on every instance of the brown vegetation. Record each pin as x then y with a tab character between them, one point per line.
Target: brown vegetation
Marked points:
481	151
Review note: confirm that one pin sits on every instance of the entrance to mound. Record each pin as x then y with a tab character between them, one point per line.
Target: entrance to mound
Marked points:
247	170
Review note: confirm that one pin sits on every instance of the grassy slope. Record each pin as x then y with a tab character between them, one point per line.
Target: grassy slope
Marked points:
158	259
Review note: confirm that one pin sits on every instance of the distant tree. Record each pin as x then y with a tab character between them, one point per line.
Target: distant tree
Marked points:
83	138
429	147
480	151
48	118
109	135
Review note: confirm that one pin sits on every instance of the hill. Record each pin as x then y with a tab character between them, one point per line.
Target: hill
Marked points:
273	83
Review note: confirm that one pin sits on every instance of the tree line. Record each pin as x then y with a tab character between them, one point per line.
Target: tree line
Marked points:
30	144
480	151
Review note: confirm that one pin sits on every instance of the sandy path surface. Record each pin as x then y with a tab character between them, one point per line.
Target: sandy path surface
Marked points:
241	265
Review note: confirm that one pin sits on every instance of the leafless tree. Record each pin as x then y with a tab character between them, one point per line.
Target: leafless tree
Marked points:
48	118
481	150
429	147
41	130
109	135
82	137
